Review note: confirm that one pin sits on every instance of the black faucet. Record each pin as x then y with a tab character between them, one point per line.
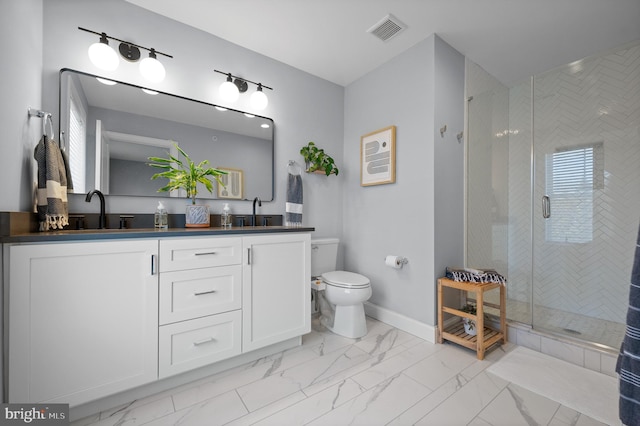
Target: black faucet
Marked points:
102	222
253	218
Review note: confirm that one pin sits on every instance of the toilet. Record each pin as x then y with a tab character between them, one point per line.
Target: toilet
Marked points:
345	291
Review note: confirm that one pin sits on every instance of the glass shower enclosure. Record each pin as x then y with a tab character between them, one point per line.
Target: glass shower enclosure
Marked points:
553	191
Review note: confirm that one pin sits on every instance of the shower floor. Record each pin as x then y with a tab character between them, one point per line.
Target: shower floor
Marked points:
569	324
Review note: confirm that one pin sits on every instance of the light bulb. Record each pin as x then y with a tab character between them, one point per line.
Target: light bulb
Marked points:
105	81
229	91
152	69
258	99
102	55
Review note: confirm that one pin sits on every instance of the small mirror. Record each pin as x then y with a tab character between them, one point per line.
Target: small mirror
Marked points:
110	128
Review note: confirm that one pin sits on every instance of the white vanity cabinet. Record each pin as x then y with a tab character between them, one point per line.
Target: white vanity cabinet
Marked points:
83	319
276	303
200	302
92	318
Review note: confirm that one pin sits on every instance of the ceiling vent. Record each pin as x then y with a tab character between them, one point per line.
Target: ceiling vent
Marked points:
387	28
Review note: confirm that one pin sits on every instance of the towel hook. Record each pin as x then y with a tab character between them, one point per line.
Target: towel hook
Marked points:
46	117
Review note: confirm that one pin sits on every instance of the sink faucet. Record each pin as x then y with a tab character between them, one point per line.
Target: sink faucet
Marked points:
102	222
253	218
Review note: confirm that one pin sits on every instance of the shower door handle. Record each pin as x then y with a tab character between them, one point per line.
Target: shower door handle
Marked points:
546	207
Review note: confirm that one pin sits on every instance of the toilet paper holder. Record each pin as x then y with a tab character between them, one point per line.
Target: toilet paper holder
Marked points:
396	261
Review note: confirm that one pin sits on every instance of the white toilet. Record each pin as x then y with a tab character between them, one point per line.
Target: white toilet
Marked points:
345	291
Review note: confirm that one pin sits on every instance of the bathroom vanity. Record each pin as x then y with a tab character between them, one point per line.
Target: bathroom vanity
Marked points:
91	314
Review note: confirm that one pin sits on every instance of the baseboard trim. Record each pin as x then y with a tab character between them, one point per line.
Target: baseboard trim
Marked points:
419	329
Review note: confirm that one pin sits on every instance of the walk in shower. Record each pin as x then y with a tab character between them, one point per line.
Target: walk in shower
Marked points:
553	191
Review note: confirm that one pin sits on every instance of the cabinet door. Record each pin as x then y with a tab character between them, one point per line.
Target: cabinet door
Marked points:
276	297
83	320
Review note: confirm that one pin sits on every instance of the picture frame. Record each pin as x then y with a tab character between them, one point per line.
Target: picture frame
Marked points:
378	157
234	181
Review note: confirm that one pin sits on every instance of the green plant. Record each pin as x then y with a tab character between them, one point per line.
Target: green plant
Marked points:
185	174
317	159
469	308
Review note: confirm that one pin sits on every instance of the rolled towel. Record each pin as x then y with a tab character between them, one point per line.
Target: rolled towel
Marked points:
472	275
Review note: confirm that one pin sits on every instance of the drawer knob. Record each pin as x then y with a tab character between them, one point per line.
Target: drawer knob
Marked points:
200	293
203	341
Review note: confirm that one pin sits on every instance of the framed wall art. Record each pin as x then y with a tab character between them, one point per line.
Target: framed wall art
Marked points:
233	184
378	157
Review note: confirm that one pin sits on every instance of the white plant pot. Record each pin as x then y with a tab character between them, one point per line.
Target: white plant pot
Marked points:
197	216
469	326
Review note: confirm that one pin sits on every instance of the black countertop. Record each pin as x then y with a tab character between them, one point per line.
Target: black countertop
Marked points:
116	234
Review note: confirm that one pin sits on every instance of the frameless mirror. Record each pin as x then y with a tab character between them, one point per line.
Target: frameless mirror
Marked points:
110	128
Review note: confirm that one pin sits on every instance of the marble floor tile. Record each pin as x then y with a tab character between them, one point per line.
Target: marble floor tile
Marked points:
516	406
467	402
316	405
387	377
377	406
258	394
435	370
215	411
391	366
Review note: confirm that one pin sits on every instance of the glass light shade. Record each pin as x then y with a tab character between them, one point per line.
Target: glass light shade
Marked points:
106	82
259	100
152	69
229	91
103	56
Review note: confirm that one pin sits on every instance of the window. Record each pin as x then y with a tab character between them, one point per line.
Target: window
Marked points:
572	174
77	143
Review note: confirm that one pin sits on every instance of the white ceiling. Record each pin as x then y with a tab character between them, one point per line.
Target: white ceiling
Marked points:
511	39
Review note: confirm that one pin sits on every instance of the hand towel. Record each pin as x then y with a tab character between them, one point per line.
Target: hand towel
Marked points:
51	195
628	365
293	207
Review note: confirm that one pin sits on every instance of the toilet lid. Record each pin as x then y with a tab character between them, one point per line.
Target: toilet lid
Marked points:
345	279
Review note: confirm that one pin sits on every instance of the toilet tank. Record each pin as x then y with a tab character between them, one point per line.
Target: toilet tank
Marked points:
324	255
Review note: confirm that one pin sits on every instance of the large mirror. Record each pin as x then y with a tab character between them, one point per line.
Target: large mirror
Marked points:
110	128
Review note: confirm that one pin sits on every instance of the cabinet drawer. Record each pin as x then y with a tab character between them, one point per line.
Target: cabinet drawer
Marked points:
197	293
199	253
191	344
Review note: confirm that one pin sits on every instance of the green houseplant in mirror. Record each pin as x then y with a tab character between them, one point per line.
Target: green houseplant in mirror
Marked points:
317	160
185	174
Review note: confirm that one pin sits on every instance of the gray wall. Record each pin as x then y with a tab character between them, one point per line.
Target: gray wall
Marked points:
21	88
416	93
303	107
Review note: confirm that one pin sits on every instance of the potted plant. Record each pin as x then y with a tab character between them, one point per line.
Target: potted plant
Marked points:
317	160
186	175
469	324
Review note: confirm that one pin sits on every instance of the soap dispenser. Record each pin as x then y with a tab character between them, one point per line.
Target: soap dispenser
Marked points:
161	220
225	217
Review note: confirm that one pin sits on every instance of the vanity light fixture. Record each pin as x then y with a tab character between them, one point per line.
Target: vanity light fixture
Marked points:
104	57
106	82
230	90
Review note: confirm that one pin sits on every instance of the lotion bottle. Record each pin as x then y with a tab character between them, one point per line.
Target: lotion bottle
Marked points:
225	217
161	220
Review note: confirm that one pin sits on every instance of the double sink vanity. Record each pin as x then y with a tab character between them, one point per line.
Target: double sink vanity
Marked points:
95	313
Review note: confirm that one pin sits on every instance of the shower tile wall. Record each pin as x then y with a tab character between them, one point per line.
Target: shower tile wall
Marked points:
587	102
582	286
